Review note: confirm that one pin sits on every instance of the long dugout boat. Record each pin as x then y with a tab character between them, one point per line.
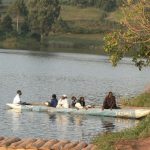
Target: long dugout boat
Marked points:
134	113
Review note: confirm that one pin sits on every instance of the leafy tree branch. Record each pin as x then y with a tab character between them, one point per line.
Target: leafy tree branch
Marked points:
134	37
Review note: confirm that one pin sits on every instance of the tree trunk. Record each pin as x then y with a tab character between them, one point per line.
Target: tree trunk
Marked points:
17	23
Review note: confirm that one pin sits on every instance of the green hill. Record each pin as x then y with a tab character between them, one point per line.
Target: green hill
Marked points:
79	28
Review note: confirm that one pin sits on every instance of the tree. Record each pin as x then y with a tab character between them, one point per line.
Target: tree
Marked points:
0	11
25	27
19	9
107	5
42	15
6	24
134	38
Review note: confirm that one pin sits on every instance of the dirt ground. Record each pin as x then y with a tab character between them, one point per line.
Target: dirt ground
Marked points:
139	144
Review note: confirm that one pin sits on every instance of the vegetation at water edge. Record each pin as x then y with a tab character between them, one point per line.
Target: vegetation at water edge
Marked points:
107	141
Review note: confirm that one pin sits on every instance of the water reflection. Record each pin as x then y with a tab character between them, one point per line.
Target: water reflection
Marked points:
64	119
86	127
52	117
78	120
15	119
108	124
63	126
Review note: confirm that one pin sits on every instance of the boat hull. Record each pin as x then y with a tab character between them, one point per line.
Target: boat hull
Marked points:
27	107
121	113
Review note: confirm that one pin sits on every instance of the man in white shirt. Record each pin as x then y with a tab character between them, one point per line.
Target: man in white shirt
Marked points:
63	102
17	99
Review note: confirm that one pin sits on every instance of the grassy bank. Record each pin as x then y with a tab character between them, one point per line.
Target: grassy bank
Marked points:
20	43
91	43
142	100
107	141
78	43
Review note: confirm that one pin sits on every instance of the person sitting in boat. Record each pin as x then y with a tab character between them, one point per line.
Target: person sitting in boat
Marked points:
81	104
17	99
109	102
63	102
53	102
82	101
78	105
74	101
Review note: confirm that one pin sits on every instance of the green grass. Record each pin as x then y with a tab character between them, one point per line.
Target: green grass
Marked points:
92	43
142	100
80	43
142	130
69	13
87	39
115	16
88	19
84	29
82	20
20	43
107	141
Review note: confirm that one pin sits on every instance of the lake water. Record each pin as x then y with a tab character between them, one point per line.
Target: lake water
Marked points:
39	75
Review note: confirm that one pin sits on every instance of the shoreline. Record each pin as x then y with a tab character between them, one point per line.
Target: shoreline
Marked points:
14	143
133	138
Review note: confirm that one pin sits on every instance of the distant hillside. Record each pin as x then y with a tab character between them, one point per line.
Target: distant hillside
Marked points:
77	28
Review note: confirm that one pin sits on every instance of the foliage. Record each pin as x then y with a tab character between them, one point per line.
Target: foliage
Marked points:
42	15
134	37
6	24
18	8
10	42
20	43
25	28
75	22
102	4
107	141
60	26
35	36
142	100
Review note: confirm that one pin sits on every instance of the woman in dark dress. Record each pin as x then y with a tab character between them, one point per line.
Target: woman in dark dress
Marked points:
82	101
109	102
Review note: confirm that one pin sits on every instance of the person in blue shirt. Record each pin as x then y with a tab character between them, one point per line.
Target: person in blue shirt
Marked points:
54	101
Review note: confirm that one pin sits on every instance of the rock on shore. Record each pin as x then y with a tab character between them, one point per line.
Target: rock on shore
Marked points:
13	143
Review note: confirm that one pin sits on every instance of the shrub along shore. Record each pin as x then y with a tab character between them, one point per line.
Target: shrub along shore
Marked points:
108	141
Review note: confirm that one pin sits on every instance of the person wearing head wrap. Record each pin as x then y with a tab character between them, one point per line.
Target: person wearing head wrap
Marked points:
63	102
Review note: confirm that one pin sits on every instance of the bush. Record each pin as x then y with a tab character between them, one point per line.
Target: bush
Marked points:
35	36
6	24
25	28
60	26
10	43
